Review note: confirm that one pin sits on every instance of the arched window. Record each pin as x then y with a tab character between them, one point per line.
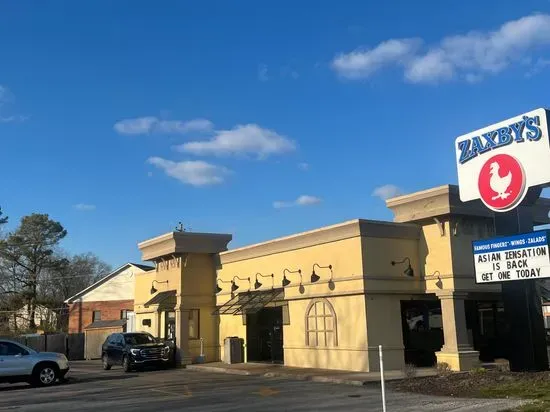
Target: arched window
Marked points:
321	324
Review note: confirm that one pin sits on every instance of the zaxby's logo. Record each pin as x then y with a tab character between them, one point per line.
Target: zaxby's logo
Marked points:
495	139
499	163
501	183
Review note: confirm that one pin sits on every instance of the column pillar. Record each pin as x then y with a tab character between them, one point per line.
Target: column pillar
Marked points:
457	351
183	357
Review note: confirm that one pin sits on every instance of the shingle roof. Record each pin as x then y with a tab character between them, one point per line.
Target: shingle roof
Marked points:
99	324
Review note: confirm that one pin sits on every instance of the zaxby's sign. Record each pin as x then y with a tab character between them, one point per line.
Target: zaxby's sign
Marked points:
498	163
517	257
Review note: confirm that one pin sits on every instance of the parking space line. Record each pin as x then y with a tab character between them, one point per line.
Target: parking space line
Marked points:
186	393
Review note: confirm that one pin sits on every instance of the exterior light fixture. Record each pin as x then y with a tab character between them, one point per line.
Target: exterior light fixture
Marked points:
285	281
409	270
258	284
153	288
314	276
234	285
218	289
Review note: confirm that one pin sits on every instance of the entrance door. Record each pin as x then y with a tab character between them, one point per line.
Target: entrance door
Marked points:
422	331
264	335
170	325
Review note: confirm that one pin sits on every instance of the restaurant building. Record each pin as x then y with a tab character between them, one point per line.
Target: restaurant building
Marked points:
327	298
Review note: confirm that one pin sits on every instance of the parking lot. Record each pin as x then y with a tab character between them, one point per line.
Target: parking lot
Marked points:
90	388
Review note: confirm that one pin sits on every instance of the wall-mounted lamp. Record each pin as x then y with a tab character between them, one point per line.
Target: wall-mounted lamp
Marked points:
258	285
439	282
286	282
314	276
218	289
153	288
234	286
409	270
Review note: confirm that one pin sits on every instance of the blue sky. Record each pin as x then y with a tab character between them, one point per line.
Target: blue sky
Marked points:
120	119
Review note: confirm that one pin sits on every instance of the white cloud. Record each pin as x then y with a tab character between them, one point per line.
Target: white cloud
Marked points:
140	125
152	124
304	200
362	63
387	192
241	140
192	172
84	207
538	66
288	71
468	56
303	166
262	73
6	98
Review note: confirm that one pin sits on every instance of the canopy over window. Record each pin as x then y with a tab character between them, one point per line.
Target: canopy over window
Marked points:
250	302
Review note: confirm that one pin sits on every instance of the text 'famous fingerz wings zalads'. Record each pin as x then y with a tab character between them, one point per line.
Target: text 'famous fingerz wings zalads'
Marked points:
499	163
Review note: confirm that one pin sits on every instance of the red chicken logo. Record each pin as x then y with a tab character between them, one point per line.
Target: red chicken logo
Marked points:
501	183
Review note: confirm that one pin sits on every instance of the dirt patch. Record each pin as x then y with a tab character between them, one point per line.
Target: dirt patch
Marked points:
483	384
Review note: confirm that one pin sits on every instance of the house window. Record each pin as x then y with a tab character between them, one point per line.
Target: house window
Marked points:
96	315
194	324
321	324
124	313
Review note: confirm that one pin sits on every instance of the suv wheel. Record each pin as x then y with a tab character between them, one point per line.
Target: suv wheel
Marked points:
126	364
105	362
45	374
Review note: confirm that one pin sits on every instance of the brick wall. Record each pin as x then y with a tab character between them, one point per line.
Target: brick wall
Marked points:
80	314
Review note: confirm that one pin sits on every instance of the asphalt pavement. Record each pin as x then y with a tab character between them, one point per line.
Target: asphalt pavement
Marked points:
89	388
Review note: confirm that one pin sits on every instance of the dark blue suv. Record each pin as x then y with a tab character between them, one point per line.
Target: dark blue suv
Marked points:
134	350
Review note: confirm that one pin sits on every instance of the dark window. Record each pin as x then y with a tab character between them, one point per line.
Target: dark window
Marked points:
138	338
96	315
11	349
194	324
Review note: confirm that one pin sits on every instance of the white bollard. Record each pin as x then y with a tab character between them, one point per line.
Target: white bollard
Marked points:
382	378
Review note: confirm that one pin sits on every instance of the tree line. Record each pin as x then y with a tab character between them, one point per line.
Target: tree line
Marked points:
36	273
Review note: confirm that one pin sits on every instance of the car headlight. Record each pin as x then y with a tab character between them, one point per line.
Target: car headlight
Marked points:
134	351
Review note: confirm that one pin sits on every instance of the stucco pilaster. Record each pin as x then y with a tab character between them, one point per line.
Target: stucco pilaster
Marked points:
457	351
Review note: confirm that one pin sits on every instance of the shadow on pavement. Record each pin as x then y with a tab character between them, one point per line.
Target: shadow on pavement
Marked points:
73	380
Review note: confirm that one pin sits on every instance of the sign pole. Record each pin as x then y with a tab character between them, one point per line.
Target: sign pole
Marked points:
382	378
522	303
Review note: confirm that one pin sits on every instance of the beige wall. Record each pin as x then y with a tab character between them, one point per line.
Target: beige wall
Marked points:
142	295
360	264
120	287
199	280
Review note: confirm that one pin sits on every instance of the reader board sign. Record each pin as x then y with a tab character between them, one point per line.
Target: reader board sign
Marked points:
518	257
499	163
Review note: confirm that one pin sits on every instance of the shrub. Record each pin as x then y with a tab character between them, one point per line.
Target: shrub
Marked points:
443	368
409	371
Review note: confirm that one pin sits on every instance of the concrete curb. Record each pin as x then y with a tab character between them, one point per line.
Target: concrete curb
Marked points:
218	370
289	376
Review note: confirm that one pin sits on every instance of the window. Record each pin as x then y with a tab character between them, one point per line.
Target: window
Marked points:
321	324
124	313
11	349
96	315
138	338
194	324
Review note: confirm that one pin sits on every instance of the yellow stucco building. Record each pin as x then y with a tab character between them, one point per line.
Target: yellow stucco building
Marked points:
327	298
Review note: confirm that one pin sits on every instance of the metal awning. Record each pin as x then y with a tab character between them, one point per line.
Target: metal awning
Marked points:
250	302
167	298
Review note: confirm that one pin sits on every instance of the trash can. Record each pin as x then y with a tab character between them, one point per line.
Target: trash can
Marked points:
233	350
